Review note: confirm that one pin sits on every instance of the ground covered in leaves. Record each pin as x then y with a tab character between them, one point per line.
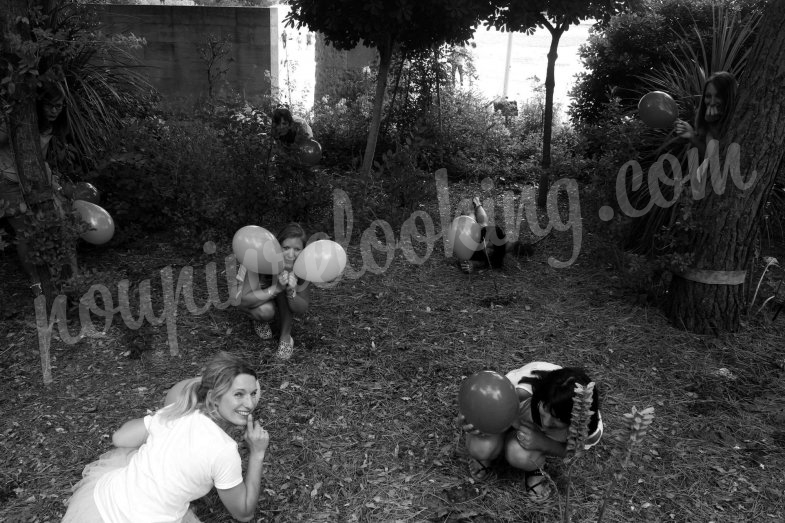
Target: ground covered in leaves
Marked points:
362	419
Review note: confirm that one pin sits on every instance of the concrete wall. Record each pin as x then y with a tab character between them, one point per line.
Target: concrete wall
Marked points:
175	33
331	64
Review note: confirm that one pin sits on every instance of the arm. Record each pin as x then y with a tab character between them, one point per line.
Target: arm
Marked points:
252	296
132	434
302	298
241	500
530	437
685	130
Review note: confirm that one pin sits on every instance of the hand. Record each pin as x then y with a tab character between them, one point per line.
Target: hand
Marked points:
529	436
283	279
468	427
277	287
256	437
684	129
292	281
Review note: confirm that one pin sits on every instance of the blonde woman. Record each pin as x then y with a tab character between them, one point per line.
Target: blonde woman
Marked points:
164	461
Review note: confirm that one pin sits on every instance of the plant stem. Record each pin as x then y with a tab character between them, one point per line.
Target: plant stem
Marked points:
612	486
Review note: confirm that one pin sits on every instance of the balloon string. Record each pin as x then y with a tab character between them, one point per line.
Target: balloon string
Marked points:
493	278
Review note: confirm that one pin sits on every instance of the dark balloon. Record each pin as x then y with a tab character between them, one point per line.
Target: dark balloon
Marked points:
658	110
488	401
310	152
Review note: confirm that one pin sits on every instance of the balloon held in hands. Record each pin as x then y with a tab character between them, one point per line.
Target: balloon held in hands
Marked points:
488	401
658	110
310	152
464	235
100	222
320	261
258	250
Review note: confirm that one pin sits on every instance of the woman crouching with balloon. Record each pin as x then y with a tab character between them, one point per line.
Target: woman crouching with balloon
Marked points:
524	417
278	295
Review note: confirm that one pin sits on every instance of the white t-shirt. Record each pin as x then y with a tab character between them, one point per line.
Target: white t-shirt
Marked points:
180	462
558	435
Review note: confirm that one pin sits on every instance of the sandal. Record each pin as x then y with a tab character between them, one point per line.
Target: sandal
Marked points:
537	491
467	267
285	349
478	471
263	330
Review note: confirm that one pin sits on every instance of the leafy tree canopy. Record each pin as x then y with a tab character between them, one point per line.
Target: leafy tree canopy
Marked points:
526	16
413	24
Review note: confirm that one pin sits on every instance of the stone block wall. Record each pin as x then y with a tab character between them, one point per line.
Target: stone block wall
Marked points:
174	35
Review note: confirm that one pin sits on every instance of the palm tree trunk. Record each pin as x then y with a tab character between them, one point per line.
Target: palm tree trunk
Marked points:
728	223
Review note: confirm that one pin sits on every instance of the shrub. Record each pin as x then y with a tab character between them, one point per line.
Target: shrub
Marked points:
205	177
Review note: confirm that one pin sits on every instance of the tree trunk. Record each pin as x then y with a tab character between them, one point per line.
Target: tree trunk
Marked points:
24	139
391	112
729	223
385	56
437	69
547	128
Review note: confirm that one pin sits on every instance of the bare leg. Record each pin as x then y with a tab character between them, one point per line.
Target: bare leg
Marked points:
479	212
482	451
530	461
284	317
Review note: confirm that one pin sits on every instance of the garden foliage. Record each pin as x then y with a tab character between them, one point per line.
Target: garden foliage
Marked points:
632	45
206	175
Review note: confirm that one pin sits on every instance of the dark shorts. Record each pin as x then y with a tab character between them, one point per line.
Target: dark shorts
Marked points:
494	247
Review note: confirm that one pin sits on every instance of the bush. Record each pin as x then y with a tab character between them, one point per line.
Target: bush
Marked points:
633	45
205	177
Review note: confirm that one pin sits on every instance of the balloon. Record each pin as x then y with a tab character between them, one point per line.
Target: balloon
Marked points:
464	235
258	250
658	110
488	401
320	261
86	192
98	219
310	152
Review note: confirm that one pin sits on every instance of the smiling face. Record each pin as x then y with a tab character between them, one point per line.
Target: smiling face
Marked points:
241	398
291	250
713	103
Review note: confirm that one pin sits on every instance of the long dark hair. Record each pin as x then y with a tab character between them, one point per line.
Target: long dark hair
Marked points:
292	230
50	94
727	87
555	390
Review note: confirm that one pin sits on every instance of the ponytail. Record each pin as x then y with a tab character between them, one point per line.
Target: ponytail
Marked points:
190	398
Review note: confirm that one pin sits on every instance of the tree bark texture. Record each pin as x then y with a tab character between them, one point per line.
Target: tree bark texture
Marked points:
385	57
24	138
547	129
729	223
